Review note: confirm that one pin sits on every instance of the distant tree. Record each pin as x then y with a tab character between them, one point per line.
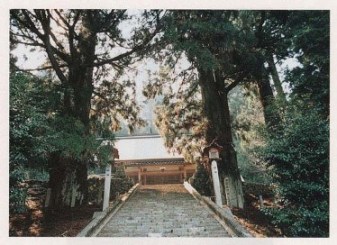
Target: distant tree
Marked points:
247	123
311	46
273	41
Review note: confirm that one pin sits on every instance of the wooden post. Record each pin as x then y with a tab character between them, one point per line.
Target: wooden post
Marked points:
185	175
216	184
107	182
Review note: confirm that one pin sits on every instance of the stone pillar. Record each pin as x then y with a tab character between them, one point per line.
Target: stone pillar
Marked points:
216	183
107	182
139	176
233	199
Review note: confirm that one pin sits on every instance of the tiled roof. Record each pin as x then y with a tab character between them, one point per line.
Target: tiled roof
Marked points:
155	161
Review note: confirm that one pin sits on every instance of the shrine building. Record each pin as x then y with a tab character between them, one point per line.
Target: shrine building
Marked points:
146	161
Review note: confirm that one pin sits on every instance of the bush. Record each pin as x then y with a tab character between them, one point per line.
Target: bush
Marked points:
17	194
200	181
120	184
299	154
17	200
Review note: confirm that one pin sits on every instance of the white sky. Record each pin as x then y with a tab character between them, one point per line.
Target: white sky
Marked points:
143	148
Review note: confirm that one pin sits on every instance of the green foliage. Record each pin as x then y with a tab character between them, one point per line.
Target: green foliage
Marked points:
94	186
68	136
27	124
300	159
311	81
201	182
38	129
36	173
247	120
298	148
120	183
17	193
27	121
17	200
182	127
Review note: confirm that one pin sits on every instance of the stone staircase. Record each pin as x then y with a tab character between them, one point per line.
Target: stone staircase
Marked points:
163	211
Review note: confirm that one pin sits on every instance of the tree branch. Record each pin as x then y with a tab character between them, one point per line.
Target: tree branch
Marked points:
42	68
62	19
235	82
34	44
108	23
45	22
134	49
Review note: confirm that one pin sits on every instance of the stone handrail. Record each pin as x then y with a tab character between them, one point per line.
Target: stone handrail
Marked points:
102	218
223	213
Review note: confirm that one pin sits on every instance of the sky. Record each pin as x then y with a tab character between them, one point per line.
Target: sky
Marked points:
143	148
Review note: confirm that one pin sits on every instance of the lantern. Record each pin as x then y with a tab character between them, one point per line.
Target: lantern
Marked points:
212	152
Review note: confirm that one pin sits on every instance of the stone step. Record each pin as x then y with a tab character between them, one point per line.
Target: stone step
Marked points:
153	212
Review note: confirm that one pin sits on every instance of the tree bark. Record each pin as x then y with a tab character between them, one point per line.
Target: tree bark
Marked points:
68	176
275	76
271	116
216	110
68	181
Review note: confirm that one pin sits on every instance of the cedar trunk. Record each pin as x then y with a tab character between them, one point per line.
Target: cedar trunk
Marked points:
271	116
68	182
275	76
68	176
216	110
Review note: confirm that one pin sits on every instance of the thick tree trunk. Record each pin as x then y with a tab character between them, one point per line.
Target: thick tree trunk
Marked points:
68	177
216	110
68	182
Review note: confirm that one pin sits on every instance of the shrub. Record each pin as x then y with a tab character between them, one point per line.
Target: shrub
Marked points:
17	200
200	181
120	183
299	154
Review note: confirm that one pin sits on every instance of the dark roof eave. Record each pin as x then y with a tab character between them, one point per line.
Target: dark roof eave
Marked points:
155	161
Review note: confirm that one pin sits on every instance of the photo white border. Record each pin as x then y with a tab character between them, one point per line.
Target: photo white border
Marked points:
161	4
